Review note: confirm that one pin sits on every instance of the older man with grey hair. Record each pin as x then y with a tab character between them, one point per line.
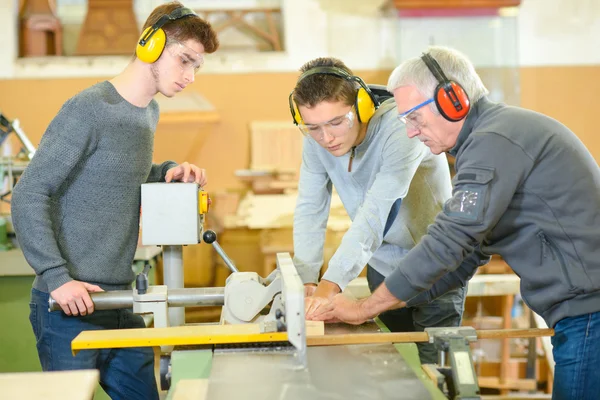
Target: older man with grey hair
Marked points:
525	188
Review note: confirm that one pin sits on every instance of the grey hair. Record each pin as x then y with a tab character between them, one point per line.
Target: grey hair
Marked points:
456	67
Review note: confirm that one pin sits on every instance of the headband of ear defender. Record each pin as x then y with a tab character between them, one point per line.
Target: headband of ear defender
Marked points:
365	103
154	39
450	98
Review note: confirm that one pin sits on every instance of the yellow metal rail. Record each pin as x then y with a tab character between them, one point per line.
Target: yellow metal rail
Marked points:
174	336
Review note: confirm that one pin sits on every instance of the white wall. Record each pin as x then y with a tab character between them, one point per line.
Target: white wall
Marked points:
559	32
545	32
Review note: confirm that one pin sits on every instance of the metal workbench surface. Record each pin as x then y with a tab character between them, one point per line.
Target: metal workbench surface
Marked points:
370	371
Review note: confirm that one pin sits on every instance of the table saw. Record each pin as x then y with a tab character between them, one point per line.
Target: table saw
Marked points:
261	348
269	357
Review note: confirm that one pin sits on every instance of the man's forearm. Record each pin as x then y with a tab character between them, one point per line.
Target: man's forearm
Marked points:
158	171
327	289
381	300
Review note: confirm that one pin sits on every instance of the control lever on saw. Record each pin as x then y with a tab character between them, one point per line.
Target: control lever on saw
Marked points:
210	237
280	317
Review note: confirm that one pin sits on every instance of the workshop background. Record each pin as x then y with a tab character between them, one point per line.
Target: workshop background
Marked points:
234	120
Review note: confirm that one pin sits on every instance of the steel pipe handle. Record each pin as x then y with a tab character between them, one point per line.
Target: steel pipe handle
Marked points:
186	297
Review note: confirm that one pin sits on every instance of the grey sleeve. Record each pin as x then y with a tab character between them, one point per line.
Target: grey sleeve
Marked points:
158	171
311	215
401	158
452	280
484	186
67	141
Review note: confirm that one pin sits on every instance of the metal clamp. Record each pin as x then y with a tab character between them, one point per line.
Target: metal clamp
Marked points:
461	379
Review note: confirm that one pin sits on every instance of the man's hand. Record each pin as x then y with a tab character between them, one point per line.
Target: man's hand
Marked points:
345	309
309	289
321	297
342	308
73	297
187	173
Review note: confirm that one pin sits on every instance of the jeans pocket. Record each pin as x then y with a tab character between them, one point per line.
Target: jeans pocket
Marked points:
33	319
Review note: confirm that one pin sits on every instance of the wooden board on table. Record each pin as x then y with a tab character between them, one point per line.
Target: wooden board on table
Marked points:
418	337
315	328
56	385
191	389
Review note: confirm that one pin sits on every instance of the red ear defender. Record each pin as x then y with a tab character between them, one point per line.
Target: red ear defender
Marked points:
450	98
452	101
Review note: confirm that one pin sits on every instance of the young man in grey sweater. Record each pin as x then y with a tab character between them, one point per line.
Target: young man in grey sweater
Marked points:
76	208
525	188
391	187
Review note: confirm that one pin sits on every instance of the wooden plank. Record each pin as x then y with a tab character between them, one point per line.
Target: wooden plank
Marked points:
432	373
57	385
494	382
546	344
191	389
513	333
507	306
494	285
415	337
315	328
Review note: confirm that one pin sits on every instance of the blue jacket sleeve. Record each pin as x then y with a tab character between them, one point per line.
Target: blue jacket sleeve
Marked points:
311	214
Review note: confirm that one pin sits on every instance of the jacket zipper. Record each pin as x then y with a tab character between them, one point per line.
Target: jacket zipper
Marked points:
351	158
546	242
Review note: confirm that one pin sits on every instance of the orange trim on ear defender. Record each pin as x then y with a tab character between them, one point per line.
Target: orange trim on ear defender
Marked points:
452	101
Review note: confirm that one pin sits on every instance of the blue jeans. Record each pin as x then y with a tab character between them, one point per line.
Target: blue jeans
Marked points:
576	350
124	373
445	311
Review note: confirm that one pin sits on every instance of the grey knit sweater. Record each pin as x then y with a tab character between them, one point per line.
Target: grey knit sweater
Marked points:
76	207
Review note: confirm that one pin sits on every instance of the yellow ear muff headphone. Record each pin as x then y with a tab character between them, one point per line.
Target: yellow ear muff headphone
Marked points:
154	39
366	103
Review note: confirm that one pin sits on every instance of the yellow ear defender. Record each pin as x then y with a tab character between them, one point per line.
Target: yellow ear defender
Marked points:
154	39
366	103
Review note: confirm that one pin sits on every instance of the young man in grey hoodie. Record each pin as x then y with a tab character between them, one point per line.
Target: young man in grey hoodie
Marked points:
76	208
391	187
525	188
